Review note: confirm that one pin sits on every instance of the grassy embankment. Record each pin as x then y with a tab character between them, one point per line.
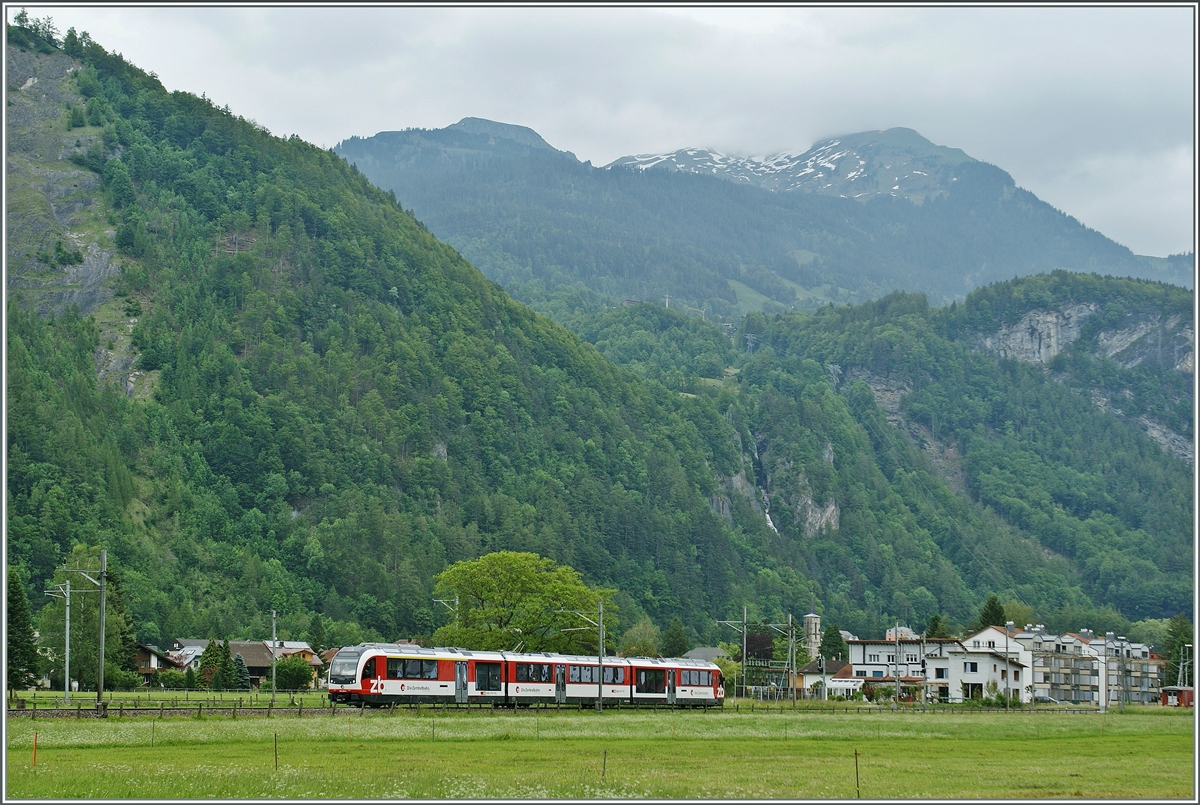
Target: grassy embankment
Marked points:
1143	753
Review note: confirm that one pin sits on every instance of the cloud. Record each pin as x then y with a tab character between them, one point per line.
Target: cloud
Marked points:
1090	108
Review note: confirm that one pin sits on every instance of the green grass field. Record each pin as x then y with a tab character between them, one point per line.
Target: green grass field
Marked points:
1143	753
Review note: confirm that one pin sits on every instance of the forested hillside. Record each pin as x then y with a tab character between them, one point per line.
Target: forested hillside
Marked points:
556	232
285	393
338	405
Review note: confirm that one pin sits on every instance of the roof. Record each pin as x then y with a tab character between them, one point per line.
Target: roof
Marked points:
708	653
832	667
203	644
254	652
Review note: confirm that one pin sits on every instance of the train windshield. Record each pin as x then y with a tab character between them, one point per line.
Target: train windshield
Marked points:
344	667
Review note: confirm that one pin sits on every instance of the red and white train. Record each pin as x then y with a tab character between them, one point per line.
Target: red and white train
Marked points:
377	674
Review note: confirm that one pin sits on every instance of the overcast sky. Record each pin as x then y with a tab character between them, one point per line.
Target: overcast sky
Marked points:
1092	109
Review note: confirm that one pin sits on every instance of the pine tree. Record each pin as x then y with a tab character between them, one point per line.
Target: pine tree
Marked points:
228	672
936	627
210	665
674	639
833	647
189	679
22	644
316	633
242	673
992	613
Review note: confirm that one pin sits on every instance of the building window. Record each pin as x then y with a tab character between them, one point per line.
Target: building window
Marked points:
940	673
991	644
1016	676
872	658
910	657
971	667
891	658
974	644
877	673
860	673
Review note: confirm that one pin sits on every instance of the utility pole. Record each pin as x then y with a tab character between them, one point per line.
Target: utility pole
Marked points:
742	627
600	662
924	678
896	657
792	655
64	591
102	583
273	686
1007	669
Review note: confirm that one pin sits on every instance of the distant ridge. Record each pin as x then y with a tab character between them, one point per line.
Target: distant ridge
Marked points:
895	162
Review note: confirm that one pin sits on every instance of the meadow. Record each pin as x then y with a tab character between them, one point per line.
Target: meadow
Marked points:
537	754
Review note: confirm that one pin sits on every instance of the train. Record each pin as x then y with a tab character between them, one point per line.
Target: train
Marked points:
381	674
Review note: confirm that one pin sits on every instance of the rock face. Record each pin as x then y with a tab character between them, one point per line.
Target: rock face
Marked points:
49	199
1039	335
1149	338
1141	338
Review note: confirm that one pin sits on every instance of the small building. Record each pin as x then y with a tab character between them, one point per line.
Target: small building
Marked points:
1178	696
150	661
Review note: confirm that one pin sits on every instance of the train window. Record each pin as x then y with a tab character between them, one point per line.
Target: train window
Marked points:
588	673
547	673
523	672
412	669
614	676
706	678
369	669
429	669
487	676
395	668
651	680
573	674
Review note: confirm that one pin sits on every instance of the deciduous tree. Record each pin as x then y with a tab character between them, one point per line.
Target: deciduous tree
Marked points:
508	598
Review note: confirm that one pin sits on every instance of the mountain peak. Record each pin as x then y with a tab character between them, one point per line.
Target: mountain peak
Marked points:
895	162
521	135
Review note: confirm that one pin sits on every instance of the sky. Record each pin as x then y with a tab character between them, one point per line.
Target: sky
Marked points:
1092	109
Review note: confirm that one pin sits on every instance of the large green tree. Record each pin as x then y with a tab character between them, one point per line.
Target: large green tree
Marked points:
674	639
833	646
293	673
506	599
1179	635
641	640
22	640
992	613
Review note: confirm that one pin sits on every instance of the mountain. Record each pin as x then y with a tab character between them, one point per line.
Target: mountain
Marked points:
855	218
897	163
282	391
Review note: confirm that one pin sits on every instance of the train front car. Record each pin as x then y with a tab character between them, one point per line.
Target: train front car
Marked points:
348	682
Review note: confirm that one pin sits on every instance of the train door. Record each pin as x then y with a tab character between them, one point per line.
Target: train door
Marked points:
670	686
560	684
460	682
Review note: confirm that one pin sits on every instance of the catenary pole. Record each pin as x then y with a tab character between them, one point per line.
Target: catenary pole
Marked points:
103	584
